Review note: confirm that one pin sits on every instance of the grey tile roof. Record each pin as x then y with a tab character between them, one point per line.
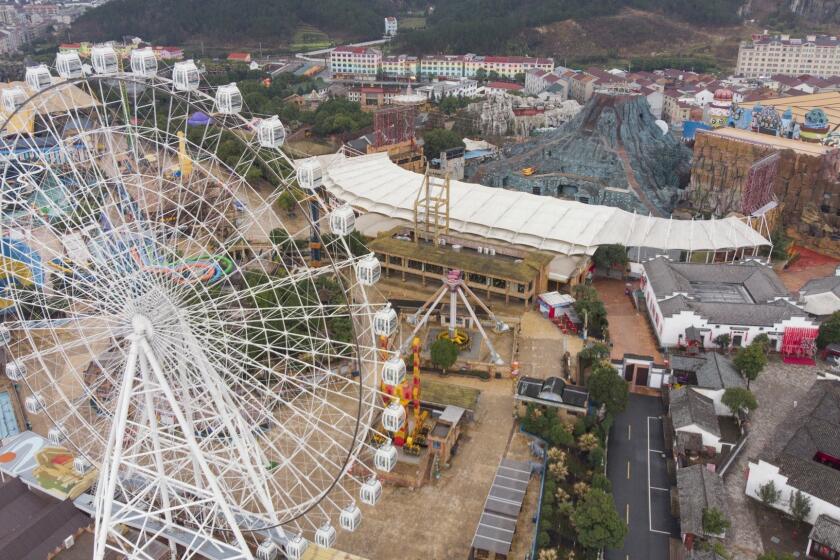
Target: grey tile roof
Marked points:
812	427
822	285
713	370
668	277
698	489
826	531
690	407
737	314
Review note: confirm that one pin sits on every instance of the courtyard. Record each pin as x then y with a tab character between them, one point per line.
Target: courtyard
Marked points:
778	389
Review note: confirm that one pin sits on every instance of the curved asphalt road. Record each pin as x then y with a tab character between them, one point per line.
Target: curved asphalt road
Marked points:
640	482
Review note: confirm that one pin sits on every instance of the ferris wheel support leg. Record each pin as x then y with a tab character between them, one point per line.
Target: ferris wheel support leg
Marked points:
158	455
195	448
113	452
238	432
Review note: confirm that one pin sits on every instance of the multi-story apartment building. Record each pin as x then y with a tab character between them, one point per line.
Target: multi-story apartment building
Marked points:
442	66
358	62
400	66
765	55
505	66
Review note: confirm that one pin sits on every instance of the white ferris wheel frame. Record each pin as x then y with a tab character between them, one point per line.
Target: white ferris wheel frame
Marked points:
144	374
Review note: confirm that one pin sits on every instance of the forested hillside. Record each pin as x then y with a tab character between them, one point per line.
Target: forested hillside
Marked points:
484	25
230	21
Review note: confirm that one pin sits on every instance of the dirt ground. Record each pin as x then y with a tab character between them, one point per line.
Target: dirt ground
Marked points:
541	347
777	388
438	520
810	265
630	331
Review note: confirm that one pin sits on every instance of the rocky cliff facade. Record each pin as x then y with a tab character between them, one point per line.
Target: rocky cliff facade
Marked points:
816	11
806	186
613	152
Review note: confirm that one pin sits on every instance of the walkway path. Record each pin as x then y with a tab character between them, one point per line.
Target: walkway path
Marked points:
630	330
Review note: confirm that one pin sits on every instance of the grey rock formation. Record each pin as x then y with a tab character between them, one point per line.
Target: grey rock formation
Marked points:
612	153
816	11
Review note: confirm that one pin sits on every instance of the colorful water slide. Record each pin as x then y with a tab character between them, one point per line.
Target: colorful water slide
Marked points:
207	269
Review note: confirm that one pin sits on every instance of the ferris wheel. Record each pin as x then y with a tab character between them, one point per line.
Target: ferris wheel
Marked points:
213	357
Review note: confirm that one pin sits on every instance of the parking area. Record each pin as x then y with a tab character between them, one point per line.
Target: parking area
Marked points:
641	487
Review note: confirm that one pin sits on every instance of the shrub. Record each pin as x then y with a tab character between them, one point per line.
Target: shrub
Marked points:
580	427
714	522
596	457
588	442
601	482
559	435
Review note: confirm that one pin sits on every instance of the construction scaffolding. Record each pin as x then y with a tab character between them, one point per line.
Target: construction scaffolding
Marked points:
431	207
394	125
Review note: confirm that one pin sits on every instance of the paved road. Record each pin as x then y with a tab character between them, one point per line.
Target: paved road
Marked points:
640	481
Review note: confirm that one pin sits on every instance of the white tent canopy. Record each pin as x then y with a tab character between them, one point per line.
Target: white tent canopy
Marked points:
372	183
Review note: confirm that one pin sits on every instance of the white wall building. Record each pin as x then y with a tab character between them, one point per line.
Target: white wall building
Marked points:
390	26
694	413
804	454
741	300
765	55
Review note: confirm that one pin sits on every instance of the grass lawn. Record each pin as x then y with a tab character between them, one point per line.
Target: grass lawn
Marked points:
312	148
411	22
309	38
444	393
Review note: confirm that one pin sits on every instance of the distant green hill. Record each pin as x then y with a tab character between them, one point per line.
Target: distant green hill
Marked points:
235	22
484	26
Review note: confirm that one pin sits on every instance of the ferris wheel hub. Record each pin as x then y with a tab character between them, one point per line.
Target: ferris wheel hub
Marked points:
142	326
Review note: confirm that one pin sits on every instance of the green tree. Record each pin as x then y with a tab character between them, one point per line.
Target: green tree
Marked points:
714	522
781	243
438	140
800	507
596	521
769	494
609	256
750	361
593	353
590	308
763	341
738	399
608	388
444	353
481	74
600	481
829	331
520	77
723	340
559	436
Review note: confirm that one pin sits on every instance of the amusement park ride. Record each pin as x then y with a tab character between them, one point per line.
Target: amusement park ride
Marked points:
454	285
